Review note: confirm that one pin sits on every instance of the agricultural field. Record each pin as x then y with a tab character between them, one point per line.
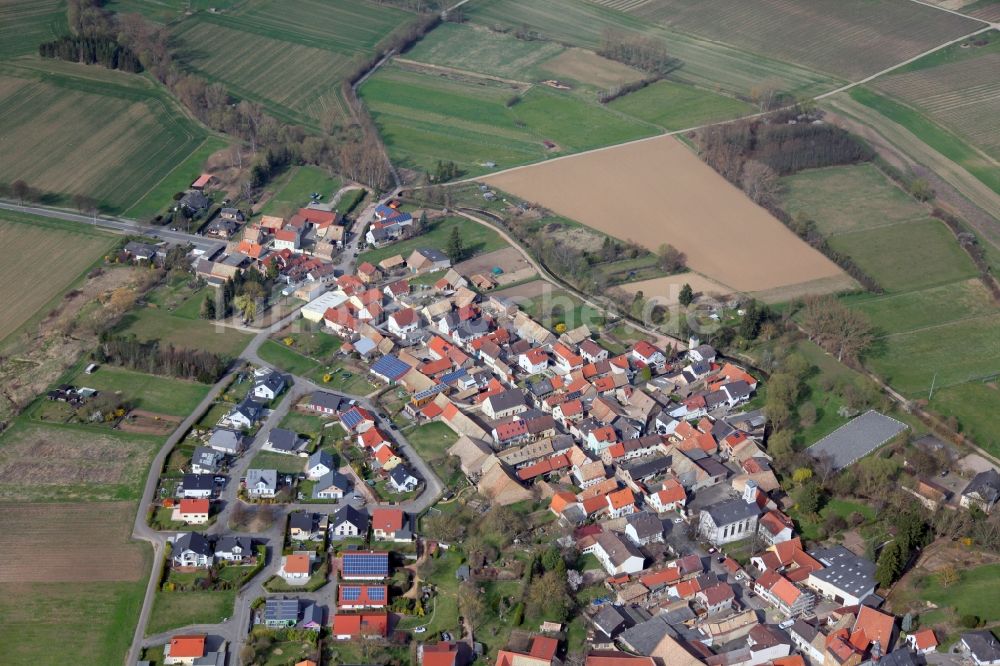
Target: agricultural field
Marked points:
847	38
963	95
709	63
24	24
675	106
973	404
907	256
297	189
163	11
914	310
477	239
76	130
875	201
425	117
177	180
49	462
702	206
47	254
290	58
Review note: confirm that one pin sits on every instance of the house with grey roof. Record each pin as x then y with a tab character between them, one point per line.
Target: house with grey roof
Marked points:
332	485
402	479
270	386
348	522
319	464
323	402
192	549
644	637
206	460
281	613
983	491
981	646
731	520
235	549
226	441
262	483
280	440
644	528
141	251
197	486
246	413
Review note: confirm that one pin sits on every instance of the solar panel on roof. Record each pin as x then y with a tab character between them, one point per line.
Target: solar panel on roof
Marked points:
390	366
351	593
376	593
366	564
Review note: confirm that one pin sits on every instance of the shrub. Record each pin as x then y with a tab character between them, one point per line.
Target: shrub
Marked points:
969	621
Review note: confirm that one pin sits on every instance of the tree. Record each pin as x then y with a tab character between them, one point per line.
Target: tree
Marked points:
779	445
547	597
122	299
801	475
809	499
246	306
470	603
947	576
760	182
456	247
21	190
686	297
670	259
921	189
208	307
890	564
645	374
83	203
843	332
807	415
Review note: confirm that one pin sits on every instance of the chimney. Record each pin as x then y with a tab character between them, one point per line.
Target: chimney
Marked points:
750	492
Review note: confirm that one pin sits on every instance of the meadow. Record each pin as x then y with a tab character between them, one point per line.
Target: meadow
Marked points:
425	117
477	239
907	256
297	189
50	255
675	106
179	609
78	130
24	24
707	218
847	38
913	310
875	201
706	62
974	406
177	180
163	395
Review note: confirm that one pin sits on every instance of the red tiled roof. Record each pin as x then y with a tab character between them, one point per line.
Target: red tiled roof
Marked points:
194	506
543	647
365	624
187	646
297	564
388	520
621	498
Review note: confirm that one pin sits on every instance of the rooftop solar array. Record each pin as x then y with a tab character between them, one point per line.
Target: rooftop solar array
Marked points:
366	565
351	592
390	366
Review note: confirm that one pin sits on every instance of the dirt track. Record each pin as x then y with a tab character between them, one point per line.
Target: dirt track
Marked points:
657	191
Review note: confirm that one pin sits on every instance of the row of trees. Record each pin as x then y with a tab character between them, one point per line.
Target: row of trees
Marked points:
104	51
639	51
151	358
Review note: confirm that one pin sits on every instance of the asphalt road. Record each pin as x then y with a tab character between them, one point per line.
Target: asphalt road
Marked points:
119	224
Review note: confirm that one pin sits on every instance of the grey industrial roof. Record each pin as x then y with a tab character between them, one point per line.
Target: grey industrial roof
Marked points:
845	570
857	438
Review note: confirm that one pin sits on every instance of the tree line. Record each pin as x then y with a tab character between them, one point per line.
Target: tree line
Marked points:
104	51
645	53
151	358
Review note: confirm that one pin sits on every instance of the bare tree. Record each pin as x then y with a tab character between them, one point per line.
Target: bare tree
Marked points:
21	190
839	330
760	182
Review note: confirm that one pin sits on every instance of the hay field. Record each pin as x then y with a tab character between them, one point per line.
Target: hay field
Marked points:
426	117
657	191
675	106
49	257
848	198
46	462
964	96
907	256
589	68
847	38
34	540
706	62
110	136
24	24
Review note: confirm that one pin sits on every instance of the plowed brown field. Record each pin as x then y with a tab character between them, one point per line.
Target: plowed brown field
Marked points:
657	191
87	542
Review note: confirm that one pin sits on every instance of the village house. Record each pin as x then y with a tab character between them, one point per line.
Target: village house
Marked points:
390	525
319	464
235	550
296	568
332	485
192	549
615	555
348	522
192	511
261	483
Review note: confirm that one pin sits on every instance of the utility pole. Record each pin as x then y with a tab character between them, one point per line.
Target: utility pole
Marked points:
933	383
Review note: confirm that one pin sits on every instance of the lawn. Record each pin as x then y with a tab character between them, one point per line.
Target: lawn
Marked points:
827	403
298	189
307	424
161	196
47	254
72	130
913	310
476	238
287	359
940	139
285	464
94	622
809	527
971	595
164	395
441	614
425	118
179	609
848	198
432	440
181	330
675	106
903	257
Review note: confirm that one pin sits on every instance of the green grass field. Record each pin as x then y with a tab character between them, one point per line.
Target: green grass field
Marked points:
940	139
675	106
70	129
432	440
974	404
163	11
50	255
477	239
956	352
903	257
848	198
708	63
96	619
298	189
24	24
971	595
909	311
178	180
558	306
178	609
425	118
279	461
163	395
